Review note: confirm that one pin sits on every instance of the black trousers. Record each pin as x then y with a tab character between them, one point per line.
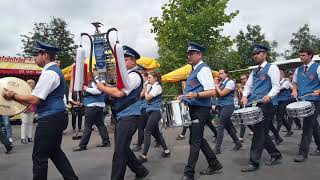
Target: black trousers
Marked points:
152	128
76	113
281	112
47	144
310	127
208	123
224	114
196	141
261	139
141	124
94	116
123	155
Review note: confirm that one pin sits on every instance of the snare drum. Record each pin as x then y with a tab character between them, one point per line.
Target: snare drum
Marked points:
175	114
300	109
247	116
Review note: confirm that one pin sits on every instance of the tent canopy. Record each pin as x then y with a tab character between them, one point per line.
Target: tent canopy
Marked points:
19	66
181	74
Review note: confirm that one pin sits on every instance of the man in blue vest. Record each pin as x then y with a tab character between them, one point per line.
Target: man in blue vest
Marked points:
197	94
126	107
263	84
52	116
94	103
306	79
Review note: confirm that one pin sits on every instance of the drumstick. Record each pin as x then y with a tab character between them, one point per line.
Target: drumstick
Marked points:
309	94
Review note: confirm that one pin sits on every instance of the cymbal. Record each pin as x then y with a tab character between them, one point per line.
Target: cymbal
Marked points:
19	86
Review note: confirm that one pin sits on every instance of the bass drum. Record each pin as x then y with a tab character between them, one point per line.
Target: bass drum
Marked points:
19	86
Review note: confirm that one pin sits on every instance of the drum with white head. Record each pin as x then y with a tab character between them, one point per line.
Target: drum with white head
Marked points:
247	116
300	109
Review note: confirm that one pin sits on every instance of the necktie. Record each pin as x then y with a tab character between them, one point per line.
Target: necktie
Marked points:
305	69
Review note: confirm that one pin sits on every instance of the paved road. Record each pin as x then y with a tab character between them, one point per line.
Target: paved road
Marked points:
95	163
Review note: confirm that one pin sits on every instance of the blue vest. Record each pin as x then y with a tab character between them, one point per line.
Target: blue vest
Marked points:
261	83
54	102
92	98
227	99
129	105
308	82
284	94
193	85
143	103
154	103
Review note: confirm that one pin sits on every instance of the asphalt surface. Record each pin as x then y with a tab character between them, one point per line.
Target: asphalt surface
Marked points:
95	163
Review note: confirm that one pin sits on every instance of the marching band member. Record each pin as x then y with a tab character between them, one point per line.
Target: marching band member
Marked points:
198	92
127	110
263	83
94	102
284	98
225	93
153	97
306	79
52	116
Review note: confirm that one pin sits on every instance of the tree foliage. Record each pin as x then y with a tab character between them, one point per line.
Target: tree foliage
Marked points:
183	21
55	32
302	39
190	20
245	40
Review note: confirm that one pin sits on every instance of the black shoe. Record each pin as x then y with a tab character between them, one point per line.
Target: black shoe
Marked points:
315	153
141	176
78	148
278	141
142	159
180	137
107	144
186	178
300	158
237	147
288	134
9	149
250	168
137	148
24	141
212	170
165	155
30	140
274	161
217	150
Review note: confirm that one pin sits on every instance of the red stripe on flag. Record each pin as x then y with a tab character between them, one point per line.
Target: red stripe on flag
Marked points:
120	84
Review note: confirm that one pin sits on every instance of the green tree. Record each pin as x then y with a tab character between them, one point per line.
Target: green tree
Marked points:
190	20
245	40
55	32
302	39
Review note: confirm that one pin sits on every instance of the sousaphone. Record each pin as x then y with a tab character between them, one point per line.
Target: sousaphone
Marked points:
11	107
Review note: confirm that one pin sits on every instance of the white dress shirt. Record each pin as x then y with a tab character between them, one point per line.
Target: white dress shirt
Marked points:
295	80
134	81
274	75
156	89
284	84
230	84
205	77
95	91
48	81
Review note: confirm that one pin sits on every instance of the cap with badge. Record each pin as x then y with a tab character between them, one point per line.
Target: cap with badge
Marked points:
260	48
195	47
128	51
44	47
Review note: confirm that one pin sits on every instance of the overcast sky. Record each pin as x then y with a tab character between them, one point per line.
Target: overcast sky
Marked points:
278	19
